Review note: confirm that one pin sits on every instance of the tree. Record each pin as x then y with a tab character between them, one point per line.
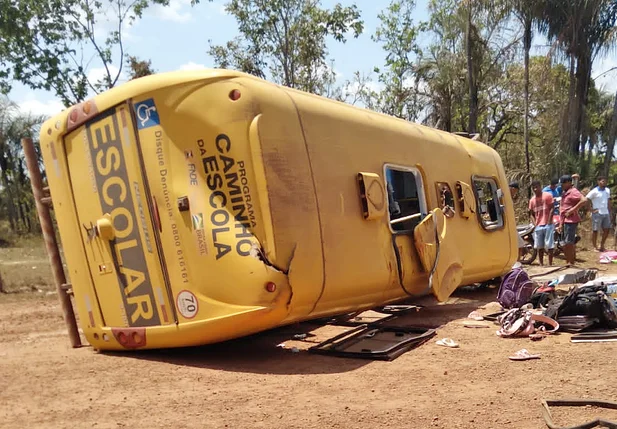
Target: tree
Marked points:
548	92
55	44
398	34
528	12
138	68
583	29
16	200
463	65
610	139
285	40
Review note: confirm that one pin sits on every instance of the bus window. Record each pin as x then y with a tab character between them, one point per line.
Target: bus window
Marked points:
405	199
489	209
445	199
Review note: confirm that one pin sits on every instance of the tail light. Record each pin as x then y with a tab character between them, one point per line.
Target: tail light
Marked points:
130	338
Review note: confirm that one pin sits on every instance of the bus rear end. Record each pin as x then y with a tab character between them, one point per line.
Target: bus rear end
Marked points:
155	195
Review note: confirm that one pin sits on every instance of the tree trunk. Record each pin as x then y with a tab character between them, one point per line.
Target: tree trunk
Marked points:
593	141
610	144
448	121
583	69
473	89
527	46
566	126
10	203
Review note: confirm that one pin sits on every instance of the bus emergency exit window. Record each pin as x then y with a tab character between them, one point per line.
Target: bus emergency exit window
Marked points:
487	198
405	198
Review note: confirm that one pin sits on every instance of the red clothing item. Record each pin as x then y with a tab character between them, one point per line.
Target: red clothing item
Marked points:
542	208
569	199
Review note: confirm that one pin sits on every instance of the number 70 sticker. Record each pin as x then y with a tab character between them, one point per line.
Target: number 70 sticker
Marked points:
187	304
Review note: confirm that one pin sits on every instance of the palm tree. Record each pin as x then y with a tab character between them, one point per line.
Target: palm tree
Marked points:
15	193
610	144
529	12
583	29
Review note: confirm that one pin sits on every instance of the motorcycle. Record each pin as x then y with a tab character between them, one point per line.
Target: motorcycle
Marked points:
529	252
525	231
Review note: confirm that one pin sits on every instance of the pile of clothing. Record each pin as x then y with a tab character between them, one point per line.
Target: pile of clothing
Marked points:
536	310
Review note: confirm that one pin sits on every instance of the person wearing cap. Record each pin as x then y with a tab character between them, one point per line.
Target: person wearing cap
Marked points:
554	189
569	218
600	214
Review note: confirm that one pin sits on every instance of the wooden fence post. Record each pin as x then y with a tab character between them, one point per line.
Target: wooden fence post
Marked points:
50	240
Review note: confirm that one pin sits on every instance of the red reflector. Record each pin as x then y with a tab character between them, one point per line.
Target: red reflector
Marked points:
234	95
130	338
270	287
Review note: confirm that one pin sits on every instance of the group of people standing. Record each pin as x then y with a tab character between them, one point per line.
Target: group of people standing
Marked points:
556	208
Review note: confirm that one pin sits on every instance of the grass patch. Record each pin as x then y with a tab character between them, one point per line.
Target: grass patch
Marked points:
24	266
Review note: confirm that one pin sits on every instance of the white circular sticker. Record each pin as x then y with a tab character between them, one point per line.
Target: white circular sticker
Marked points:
187	304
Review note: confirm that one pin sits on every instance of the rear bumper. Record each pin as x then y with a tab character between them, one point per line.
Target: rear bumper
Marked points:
188	334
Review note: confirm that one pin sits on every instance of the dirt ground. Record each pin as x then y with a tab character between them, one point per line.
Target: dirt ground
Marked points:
252	383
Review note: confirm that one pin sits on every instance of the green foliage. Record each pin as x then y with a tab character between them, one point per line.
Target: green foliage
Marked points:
138	68
285	40
398	36
469	74
16	200
53	44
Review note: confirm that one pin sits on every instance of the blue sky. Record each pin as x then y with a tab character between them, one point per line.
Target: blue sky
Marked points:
176	37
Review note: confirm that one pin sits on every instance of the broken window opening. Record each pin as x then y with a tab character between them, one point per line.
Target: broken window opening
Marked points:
445	199
406	204
489	208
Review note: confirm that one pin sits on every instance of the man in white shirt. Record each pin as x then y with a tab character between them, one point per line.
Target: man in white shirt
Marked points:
601	215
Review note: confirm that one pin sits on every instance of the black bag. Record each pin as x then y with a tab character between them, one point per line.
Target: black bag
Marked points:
590	301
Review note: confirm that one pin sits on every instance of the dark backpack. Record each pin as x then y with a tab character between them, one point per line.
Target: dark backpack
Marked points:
589	301
516	289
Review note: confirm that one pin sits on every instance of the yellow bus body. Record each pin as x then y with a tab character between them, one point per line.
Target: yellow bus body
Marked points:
197	207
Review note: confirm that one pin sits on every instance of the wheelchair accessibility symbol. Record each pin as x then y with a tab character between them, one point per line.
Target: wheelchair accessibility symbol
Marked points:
146	113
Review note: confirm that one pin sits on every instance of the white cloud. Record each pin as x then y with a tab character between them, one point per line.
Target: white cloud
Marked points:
38	107
175	12
192	66
97	74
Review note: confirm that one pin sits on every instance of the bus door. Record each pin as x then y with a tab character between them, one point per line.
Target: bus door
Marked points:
406	207
118	236
438	254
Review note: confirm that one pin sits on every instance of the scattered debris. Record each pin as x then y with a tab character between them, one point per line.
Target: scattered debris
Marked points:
475	316
475	325
374	342
447	342
548	418
594	337
581	276
523	354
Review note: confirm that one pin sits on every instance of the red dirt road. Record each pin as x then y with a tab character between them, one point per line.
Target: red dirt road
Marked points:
251	383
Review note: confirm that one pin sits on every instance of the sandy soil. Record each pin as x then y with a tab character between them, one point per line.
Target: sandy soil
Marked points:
252	383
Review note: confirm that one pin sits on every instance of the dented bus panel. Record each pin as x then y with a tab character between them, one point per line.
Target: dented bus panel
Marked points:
196	207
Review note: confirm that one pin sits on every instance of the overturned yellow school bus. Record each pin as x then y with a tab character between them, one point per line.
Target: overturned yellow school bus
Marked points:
196	207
